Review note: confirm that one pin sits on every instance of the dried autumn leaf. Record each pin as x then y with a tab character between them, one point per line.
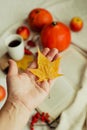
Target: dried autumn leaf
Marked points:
24	63
46	69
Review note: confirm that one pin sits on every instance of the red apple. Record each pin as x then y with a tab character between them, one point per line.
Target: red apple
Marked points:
2	93
23	31
76	24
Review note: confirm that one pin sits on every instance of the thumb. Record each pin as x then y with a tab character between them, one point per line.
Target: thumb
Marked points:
13	69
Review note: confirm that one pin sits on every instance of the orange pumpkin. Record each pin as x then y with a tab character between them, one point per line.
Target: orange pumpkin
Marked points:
56	35
39	17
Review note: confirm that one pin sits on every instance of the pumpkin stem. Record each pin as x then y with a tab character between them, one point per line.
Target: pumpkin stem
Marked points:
54	23
37	11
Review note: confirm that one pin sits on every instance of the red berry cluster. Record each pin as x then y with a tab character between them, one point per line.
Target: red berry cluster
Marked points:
44	117
31	43
27	51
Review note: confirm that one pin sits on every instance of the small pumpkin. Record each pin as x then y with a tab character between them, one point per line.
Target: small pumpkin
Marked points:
56	35
39	17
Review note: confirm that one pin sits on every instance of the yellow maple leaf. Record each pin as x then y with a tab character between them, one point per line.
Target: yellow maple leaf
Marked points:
46	69
24	62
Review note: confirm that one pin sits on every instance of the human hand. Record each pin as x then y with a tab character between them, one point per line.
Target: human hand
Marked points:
24	87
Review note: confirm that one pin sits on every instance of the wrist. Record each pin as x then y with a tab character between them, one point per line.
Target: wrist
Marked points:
19	107
16	112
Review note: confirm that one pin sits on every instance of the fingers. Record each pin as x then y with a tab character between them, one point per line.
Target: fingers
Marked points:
45	51
50	54
53	54
44	85
56	56
34	63
13	69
